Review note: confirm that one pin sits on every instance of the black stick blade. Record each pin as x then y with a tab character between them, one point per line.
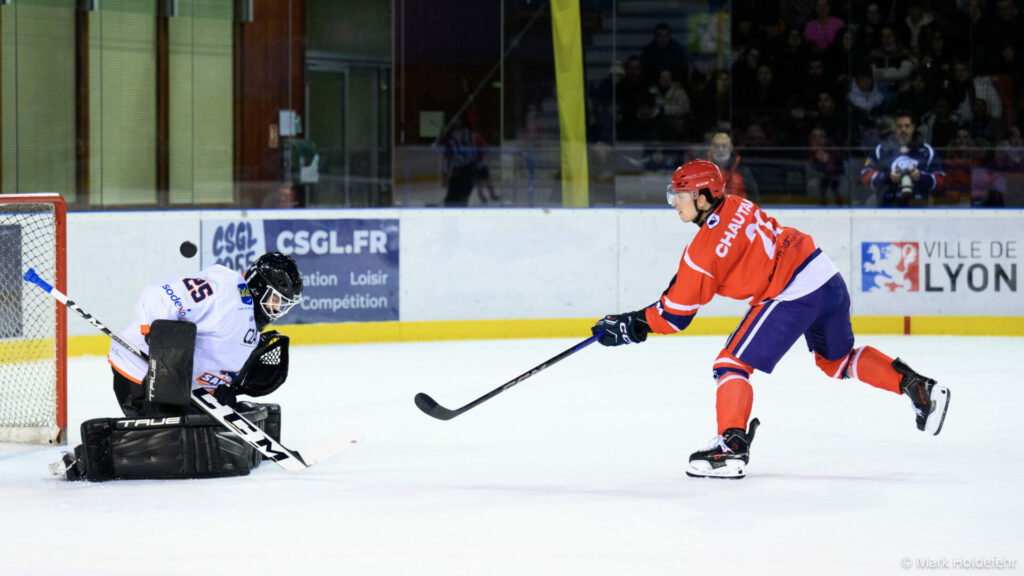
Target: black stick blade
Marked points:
432	408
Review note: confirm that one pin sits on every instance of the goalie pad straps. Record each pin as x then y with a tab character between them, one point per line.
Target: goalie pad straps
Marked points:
192	446
171	350
267	367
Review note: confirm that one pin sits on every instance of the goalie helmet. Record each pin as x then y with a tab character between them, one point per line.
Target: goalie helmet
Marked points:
276	286
695	176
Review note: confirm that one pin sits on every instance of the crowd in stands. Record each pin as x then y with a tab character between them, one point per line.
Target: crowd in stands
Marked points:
830	80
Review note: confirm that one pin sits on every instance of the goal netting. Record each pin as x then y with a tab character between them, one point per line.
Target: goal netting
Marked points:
33	334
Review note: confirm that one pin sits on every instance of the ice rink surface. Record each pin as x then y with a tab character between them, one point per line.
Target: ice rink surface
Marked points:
578	470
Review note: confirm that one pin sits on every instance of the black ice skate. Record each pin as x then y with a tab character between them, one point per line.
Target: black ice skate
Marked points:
726	457
930	399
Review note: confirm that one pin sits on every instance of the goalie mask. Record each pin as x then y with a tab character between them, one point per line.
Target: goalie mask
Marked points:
276	286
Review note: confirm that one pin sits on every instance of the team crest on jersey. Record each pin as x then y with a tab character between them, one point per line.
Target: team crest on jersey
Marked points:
890	266
245	294
713	221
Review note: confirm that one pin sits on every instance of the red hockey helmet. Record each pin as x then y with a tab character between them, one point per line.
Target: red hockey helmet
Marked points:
696	175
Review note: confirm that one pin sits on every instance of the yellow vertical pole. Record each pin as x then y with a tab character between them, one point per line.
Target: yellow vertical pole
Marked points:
572	116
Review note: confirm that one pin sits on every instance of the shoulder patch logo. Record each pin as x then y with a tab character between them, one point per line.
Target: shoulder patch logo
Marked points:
245	294
713	221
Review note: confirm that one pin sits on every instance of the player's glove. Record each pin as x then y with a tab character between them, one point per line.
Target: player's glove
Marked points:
267	367
627	328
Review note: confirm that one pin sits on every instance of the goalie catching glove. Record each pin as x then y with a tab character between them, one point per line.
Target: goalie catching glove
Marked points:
264	372
627	328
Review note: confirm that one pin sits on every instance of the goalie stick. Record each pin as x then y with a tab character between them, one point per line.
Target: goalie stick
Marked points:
430	407
228	417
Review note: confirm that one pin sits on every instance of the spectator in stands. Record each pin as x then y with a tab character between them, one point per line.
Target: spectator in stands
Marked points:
1010	151
712	99
892	65
917	98
754	136
982	125
827	116
939	126
913	27
865	102
870	30
671	108
1009	72
790	59
988	186
973	25
633	95
816	82
766	102
739	181
826	167
842	57
1004	29
881	132
821	31
744	71
660	159
796	13
936	59
663	52
962	157
754	23
603	97
904	170
962	90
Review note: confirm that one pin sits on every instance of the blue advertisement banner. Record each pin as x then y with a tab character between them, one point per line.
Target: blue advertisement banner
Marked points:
349	267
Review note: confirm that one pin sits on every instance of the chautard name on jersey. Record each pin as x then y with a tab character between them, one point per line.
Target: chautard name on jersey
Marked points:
740	253
218	302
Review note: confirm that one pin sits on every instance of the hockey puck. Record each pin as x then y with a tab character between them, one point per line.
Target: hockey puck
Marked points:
188	249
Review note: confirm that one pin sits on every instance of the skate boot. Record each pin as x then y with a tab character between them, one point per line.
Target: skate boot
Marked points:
68	466
930	399
726	456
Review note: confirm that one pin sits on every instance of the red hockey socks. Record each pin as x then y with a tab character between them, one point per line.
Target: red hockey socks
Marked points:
733	401
872	367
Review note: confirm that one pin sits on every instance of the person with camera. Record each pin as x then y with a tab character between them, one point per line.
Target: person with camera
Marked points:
903	168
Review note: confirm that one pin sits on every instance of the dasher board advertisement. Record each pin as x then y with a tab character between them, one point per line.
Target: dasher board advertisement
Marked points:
349	266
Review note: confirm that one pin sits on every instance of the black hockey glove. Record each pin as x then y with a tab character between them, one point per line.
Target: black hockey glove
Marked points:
627	328
267	367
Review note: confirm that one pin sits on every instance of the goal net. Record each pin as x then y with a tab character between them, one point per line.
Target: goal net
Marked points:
33	326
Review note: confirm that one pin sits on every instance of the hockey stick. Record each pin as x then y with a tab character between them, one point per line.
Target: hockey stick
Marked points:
431	408
250	433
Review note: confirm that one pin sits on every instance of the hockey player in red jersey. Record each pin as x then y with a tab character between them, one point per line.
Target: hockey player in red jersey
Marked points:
794	290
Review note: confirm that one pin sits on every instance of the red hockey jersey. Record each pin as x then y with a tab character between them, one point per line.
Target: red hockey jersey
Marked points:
739	253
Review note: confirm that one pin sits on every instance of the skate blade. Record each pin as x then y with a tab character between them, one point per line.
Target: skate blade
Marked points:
733	469
58	468
940	400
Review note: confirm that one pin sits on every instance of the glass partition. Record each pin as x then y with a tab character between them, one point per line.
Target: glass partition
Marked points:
140	104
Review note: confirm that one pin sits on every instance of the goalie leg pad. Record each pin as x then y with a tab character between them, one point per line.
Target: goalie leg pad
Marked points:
171	349
192	446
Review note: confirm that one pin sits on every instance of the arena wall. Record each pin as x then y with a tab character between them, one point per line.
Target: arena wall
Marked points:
428	274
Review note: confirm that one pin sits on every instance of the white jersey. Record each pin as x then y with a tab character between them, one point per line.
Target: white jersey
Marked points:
218	302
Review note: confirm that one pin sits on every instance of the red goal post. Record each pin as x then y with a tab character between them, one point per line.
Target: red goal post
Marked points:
33	327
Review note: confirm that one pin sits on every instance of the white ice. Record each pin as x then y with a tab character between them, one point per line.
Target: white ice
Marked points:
577	470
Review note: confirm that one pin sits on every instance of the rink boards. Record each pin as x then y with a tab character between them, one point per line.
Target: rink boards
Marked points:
423	274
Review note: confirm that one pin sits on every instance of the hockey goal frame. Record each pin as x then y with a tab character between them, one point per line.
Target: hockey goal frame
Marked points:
56	433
